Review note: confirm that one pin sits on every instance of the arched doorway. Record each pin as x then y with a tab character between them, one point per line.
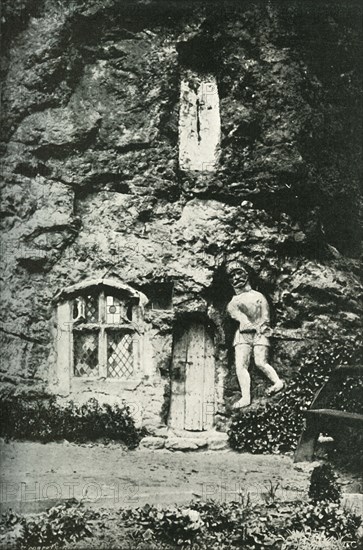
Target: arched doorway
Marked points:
192	405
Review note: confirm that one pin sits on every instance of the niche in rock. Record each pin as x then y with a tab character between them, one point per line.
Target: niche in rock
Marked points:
199	122
160	295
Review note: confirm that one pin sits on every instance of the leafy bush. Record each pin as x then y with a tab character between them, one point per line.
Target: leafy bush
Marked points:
203	525
276	426
327	517
179	525
60	524
265	526
211	524
349	396
268	526
323	485
46	420
219	517
10	529
9	519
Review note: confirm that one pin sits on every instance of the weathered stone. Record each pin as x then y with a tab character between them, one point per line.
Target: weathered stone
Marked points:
90	157
218	442
57	131
161	432
180	444
188	441
151	442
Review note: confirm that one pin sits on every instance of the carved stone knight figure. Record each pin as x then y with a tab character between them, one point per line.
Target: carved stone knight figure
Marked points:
250	308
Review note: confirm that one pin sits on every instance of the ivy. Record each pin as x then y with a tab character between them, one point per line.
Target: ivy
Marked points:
276	427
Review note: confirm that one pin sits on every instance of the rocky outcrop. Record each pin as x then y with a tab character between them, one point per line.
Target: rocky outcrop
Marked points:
90	163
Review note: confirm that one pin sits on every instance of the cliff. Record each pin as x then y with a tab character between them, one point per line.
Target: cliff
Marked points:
91	181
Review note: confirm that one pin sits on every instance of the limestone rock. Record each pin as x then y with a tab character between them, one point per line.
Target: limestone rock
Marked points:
180	444
58	131
151	442
160	432
92	182
218	442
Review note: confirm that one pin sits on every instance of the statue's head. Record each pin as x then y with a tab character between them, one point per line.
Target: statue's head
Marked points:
240	280
242	285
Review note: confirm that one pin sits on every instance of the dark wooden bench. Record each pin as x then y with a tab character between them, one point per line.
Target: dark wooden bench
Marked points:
319	414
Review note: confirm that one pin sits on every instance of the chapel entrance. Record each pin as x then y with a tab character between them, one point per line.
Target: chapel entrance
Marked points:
193	379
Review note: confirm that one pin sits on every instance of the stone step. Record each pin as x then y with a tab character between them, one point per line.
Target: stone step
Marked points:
187	441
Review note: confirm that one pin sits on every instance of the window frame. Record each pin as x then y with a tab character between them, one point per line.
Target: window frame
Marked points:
66	325
102	327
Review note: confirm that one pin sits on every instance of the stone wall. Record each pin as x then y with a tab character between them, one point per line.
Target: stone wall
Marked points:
93	185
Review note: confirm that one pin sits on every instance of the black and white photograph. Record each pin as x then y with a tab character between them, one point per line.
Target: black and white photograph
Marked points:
181	357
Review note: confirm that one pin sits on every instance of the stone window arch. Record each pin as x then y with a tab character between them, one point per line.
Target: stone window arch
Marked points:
100	330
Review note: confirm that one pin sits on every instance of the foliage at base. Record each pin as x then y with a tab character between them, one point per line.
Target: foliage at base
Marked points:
46	420
68	522
276	426
235	525
324	485
60	524
201	525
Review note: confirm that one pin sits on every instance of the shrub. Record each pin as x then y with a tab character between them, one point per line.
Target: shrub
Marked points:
10	529
203	525
276	426
324	485
60	524
222	516
176	525
211	524
269	526
349	396
328	518
46	420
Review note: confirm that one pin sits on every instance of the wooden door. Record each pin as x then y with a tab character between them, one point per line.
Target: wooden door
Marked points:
193	380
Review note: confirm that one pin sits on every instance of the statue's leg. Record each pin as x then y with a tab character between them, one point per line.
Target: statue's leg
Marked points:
261	360
242	357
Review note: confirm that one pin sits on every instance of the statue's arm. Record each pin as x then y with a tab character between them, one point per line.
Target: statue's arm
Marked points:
235	312
264	325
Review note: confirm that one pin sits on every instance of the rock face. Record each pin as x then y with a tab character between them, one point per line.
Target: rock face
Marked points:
93	186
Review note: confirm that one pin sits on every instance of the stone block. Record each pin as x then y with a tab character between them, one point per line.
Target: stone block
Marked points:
180	444
218	441
218	445
150	442
200	442
161	432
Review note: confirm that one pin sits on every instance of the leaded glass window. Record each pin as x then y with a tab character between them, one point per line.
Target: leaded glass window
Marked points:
104	336
91	309
120	360
115	310
85	353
